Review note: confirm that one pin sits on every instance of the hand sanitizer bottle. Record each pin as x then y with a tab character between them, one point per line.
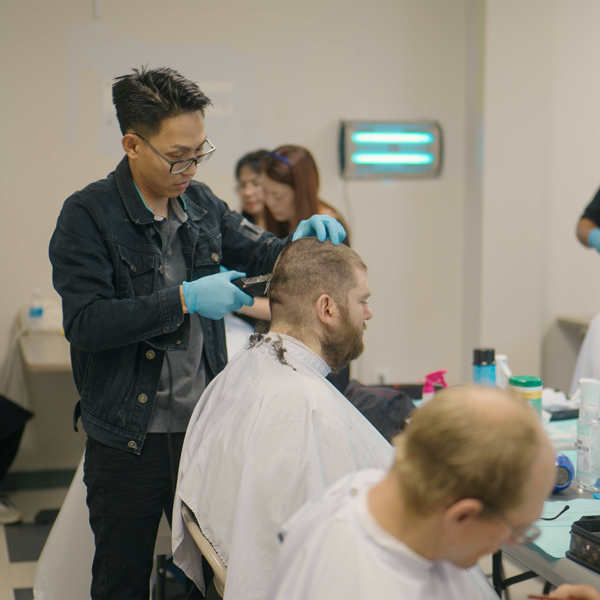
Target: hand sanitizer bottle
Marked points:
588	436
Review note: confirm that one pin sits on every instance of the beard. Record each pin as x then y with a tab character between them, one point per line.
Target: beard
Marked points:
343	343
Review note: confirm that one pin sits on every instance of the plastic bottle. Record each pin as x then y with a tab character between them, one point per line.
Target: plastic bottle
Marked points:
484	367
35	311
588	436
503	372
529	389
428	388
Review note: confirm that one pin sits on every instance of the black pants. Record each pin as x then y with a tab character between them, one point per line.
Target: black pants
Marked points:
8	450
126	495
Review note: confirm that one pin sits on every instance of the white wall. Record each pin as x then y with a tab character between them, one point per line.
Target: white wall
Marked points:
516	134
541	168
282	72
484	255
572	280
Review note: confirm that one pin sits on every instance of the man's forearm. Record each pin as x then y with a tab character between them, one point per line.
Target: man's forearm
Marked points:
584	227
182	297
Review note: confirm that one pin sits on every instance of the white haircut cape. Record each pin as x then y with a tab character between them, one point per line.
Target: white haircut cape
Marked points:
265	437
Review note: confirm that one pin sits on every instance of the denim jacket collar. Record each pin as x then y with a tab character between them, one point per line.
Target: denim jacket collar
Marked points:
134	205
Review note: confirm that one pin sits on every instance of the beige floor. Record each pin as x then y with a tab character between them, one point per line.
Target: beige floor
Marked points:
21	575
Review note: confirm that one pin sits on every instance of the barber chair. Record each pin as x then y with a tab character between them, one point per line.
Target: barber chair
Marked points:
214	560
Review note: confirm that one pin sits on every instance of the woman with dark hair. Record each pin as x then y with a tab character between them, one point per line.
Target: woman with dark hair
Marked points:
291	185
252	197
249	187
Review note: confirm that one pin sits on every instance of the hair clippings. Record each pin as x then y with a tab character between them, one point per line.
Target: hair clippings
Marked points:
280	157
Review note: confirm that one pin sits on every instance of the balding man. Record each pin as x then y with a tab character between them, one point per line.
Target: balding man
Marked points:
271	432
472	472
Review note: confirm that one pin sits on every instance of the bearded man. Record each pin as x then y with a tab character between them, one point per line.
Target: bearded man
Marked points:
271	432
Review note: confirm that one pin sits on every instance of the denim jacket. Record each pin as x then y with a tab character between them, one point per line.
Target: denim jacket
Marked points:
118	315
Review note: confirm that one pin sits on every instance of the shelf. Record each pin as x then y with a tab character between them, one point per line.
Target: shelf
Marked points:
46	353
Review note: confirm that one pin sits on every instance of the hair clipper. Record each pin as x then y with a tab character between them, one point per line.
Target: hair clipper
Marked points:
254	286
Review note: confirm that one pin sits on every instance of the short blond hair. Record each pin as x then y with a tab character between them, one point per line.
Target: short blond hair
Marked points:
455	447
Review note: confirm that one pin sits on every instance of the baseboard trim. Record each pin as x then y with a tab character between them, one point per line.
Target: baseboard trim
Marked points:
37	480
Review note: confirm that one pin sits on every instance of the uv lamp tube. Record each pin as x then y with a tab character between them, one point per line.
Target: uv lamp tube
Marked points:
392	159
367	137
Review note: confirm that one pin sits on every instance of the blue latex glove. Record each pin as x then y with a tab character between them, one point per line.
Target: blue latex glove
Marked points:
321	227
214	296
594	238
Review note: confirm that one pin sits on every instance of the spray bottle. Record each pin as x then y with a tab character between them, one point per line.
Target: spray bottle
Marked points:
588	435
428	388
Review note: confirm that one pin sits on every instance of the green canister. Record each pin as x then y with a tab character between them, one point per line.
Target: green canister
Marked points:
529	389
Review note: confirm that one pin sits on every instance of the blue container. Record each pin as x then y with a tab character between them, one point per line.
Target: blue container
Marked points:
484	367
565	472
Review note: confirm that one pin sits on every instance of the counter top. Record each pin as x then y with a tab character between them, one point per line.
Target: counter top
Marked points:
46	353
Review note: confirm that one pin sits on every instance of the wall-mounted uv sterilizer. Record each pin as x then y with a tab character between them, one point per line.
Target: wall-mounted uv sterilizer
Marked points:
387	149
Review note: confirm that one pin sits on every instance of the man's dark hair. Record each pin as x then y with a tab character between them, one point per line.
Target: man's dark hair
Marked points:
252	160
147	97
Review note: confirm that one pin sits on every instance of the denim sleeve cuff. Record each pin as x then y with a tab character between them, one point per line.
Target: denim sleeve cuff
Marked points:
594	238
171	308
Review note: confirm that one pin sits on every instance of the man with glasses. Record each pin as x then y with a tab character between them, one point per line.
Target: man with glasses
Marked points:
472	472
136	258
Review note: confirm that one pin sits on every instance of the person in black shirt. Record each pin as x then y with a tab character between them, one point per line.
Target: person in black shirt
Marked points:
588	227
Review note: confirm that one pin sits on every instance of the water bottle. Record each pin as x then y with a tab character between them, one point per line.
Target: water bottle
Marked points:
35	312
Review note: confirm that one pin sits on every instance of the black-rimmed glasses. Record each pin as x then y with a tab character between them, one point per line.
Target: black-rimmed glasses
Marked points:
179	166
526	534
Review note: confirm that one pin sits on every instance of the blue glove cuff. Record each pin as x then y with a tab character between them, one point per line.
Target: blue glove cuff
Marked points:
594	238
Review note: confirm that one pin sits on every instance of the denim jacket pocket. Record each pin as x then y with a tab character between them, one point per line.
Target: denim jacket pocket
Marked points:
106	386
208	253
100	369
135	272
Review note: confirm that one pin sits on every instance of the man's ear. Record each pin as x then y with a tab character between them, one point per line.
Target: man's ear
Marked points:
327	309
461	513
130	144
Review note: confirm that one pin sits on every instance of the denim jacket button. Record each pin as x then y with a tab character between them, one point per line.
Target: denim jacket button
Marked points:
132	444
178	342
150	354
215	257
151	231
142	398
133	269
